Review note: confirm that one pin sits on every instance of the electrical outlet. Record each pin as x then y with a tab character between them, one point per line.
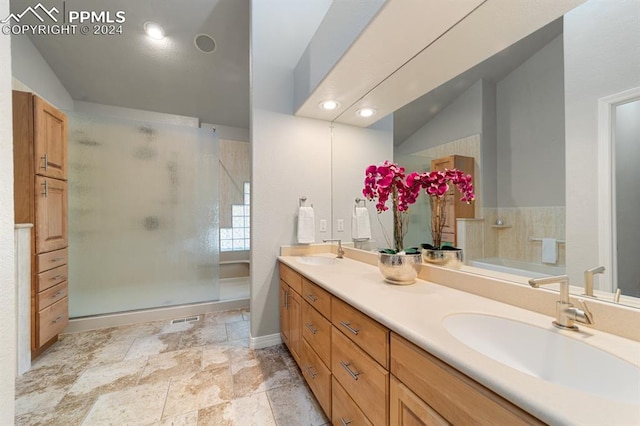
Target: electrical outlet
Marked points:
340	225
323	225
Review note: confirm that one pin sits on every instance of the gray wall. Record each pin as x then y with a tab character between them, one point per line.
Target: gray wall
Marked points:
459	119
489	145
627	158
30	68
530	119
601	58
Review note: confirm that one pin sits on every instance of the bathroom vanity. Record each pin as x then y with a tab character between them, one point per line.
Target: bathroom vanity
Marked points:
379	354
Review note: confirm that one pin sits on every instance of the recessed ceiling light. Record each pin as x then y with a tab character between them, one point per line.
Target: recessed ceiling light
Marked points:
329	105
154	30
366	112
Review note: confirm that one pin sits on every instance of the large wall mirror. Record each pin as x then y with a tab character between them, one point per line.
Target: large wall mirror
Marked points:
528	116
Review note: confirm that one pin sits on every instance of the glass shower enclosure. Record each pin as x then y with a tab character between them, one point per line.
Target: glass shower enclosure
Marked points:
143	215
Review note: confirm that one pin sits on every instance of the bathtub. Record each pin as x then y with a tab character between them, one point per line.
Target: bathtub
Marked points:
516	267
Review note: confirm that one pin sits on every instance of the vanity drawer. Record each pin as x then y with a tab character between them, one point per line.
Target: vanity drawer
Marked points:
53	259
316	329
456	397
52	320
343	409
52	295
48	279
317	297
363	378
367	333
317	375
291	277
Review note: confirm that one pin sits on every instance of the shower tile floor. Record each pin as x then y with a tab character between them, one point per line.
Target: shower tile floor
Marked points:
156	373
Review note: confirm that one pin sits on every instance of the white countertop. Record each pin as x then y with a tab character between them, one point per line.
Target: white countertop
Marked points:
416	313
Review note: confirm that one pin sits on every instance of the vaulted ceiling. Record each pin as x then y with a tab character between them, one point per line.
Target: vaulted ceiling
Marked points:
170	75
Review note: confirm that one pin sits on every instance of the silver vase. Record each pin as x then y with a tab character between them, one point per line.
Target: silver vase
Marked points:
448	258
401	269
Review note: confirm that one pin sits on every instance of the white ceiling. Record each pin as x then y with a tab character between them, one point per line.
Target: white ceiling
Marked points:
171	75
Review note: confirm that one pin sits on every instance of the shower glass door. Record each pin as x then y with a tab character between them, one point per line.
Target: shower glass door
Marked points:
143	215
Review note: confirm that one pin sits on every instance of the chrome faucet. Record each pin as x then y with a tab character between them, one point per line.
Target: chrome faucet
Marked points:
340	250
566	313
588	279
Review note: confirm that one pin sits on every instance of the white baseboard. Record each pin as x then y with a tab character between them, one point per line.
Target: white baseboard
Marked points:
147	315
264	341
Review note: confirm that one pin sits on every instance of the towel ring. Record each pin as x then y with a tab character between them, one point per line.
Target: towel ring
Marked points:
361	200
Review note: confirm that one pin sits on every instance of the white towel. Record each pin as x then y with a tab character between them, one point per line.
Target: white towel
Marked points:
549	250
306	225
360	225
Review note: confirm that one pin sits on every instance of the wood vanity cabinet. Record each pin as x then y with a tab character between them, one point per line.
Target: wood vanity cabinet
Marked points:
41	198
455	208
427	391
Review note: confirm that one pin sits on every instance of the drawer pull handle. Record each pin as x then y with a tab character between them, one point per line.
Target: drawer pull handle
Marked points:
46	189
353	374
345	422
311	372
58	293
57	277
46	161
347	325
58	319
57	259
311	328
312	297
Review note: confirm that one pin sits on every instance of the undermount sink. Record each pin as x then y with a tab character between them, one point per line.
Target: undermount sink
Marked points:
317	260
549	355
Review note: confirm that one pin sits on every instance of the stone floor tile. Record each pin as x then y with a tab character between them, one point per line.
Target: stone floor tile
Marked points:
205	335
134	406
295	404
198	390
143	347
164	366
238	330
107	378
253	410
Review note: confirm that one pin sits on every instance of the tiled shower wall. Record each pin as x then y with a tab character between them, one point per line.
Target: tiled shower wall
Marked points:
513	241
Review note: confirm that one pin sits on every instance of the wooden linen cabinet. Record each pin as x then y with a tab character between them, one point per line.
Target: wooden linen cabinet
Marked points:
41	198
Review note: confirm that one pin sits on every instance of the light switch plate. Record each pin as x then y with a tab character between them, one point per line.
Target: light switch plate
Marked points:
340	225
323	225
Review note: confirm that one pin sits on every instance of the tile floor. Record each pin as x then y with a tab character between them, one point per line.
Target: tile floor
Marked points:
198	373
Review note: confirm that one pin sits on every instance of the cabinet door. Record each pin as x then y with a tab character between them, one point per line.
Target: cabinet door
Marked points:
406	409
50	140
51	214
295	323
284	313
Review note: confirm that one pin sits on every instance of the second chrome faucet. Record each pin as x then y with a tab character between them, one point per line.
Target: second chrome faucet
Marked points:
566	313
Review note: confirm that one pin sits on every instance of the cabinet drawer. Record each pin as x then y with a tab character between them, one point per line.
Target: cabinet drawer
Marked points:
456	397
52	277
343	410
53	259
363	378
52	320
291	277
316	329
317	297
367	333
52	295
317	375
